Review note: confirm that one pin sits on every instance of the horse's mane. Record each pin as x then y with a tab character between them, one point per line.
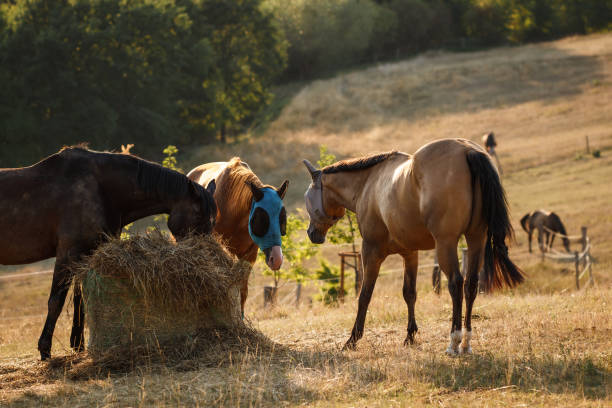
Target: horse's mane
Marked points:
233	194
558	225
359	163
153	178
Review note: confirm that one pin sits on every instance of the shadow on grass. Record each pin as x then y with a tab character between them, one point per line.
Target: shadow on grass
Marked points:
580	376
248	371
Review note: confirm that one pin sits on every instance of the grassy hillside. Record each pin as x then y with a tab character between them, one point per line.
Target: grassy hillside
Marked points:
543	344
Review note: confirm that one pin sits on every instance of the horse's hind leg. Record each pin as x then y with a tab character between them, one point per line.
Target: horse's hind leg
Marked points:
78	321
447	258
475	260
372	259
411	263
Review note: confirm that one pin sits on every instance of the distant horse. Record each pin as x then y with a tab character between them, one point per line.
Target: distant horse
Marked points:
251	215
538	220
64	205
409	203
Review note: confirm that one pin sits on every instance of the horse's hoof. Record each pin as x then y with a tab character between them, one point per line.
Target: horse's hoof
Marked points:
465	350
409	341
44	355
350	345
451	352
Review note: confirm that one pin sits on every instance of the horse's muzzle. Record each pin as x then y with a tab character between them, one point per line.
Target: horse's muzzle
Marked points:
316	236
274	257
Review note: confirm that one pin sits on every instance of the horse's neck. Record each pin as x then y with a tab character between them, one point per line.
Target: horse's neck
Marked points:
346	186
120	175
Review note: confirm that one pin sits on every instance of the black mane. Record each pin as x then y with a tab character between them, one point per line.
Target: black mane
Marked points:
359	163
153	178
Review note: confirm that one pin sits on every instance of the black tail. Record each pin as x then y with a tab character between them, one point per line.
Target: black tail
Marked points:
498	267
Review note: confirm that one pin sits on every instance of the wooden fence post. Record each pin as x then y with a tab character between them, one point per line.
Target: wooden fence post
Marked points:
269	295
577	265
358	274
298	294
587	144
341	292
436	278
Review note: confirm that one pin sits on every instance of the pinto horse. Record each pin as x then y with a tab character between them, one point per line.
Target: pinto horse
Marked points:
404	204
66	204
538	220
251	215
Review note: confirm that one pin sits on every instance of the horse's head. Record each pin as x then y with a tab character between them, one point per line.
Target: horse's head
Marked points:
268	221
322	208
196	213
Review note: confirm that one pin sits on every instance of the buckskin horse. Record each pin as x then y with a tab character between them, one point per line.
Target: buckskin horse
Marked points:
64	205
251	215
408	203
544	222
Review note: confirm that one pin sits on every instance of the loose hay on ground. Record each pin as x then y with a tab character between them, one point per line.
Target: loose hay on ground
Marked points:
147	296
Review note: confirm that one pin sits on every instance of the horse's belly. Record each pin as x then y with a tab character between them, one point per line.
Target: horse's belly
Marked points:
18	251
24	241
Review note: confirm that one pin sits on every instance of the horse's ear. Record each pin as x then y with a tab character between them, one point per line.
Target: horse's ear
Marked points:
314	173
211	187
283	189
257	193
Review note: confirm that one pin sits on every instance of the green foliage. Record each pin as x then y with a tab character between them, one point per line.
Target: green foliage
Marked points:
149	72
297	249
170	159
329	276
597	153
323	35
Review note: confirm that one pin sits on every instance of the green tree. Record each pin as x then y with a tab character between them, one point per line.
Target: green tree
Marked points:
148	72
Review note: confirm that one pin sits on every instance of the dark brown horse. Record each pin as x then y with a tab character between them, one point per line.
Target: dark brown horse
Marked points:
409	203
544	222
64	205
251	215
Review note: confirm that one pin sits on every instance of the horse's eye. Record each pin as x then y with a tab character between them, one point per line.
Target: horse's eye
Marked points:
260	222
282	220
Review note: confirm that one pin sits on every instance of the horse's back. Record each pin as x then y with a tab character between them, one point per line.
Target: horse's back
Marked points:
206	172
37	202
444	184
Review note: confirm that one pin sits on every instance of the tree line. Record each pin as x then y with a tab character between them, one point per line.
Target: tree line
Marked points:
193	72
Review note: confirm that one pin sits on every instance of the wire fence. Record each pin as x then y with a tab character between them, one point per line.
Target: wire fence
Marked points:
581	259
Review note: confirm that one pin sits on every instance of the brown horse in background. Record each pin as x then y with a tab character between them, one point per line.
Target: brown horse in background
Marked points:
409	203
243	221
544	222
66	204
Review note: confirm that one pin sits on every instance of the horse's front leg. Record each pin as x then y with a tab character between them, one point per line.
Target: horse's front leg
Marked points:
411	263
59	289
530	234
447	258
372	259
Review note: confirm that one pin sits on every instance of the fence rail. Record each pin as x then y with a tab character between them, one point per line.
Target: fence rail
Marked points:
583	257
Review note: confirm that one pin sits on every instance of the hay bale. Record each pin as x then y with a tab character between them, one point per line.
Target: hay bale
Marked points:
147	294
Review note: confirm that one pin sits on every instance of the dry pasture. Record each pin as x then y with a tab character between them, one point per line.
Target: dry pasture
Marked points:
543	344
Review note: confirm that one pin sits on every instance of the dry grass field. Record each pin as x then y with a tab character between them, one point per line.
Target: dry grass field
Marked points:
542	344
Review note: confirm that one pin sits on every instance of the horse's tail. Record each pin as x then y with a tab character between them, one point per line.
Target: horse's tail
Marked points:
498	267
524	221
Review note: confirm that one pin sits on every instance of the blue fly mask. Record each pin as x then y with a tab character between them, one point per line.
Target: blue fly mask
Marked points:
268	221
